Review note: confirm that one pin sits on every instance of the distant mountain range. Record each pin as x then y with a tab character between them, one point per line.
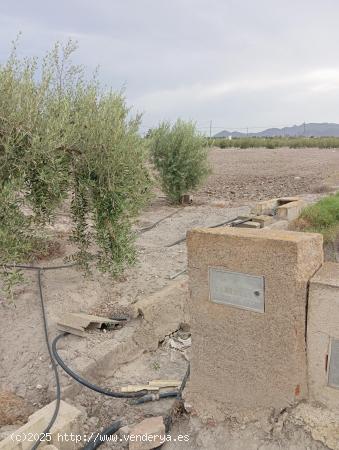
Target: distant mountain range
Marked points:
305	129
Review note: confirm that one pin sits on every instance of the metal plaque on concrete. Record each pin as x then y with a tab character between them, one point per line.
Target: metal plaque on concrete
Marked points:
237	289
333	370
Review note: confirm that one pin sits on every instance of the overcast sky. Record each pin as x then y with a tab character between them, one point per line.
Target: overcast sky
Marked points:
237	63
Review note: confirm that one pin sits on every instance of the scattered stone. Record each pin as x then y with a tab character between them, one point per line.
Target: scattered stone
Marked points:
184	328
93	421
188	407
183	334
13	409
323	424
125	430
218	204
180	344
147	434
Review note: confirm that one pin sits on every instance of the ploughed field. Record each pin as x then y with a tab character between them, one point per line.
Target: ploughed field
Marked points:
261	173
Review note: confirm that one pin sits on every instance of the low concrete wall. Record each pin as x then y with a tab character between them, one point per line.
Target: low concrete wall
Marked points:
161	313
285	207
322	328
155	317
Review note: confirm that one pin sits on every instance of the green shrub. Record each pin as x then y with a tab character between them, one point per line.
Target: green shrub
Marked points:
321	217
61	137
179	153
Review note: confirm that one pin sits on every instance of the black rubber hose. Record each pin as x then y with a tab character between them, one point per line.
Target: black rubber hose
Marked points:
184	380
54	367
150	227
86	383
102	437
21	266
179	241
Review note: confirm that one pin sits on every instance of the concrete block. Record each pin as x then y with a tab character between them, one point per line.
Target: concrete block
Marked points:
148	434
265	206
278	225
162	313
186	199
246	360
290	211
69	421
263	220
322	327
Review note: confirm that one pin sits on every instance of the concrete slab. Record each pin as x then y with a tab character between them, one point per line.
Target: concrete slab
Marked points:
290	211
250	224
246	360
77	323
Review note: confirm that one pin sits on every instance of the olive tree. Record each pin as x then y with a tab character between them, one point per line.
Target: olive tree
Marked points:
62	136
179	153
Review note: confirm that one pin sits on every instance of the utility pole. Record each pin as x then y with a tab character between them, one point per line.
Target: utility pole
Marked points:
210	128
304	129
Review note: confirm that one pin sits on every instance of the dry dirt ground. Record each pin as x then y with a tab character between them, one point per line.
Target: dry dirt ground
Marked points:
239	178
257	174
